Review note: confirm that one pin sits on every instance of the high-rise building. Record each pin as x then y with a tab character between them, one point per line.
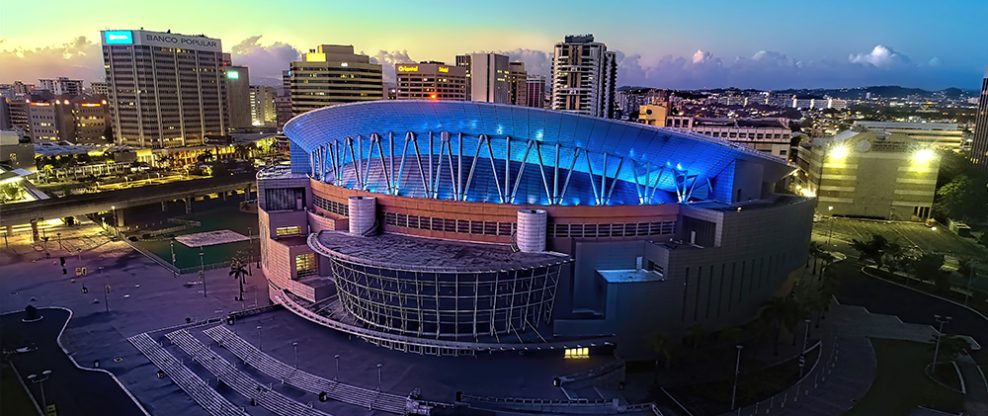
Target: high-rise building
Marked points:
489	78
89	117
583	77
430	81
949	136
283	109
61	86
165	89
262	107
463	61
333	74
979	147
98	88
238	96
535	91
517	83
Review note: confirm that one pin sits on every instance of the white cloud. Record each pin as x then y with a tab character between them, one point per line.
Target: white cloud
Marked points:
78	58
880	56
388	59
264	62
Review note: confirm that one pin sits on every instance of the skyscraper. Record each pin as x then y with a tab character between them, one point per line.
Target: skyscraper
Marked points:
164	89
489	78
463	61
535	91
238	96
583	77
517	83
979	148
333	74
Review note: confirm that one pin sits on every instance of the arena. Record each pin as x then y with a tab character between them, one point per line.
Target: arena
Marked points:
452	228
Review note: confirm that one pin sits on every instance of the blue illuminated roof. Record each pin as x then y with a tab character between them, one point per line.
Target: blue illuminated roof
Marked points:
632	153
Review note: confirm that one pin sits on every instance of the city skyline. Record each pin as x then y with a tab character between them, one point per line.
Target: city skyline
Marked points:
682	46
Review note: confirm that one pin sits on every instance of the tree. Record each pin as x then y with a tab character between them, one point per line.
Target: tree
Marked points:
964	198
781	312
927	266
873	249
965	267
204	157
817	251
983	240
238	269
665	348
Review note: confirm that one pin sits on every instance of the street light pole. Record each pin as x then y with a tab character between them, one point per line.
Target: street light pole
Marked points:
202	272
260	342
936	351
830	211
379	365
106	291
40	380
295	348
337	376
802	352
171	244
737	373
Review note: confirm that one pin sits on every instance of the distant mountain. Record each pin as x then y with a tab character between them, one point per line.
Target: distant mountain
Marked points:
860	93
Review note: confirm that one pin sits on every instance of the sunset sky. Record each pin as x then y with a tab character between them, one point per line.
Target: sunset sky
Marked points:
691	44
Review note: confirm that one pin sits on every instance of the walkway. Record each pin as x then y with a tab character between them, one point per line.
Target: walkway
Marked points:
366	398
238	380
195	387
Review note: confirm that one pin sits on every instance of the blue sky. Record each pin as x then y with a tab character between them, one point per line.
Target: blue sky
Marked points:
677	44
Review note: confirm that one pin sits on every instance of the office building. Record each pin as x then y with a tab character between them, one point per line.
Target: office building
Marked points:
333	74
165	89
489	78
584	74
535	91
477	254
61	86
948	136
16	150
430	81
90	120
769	135
517	84
463	61
5	123
862	175
262	106
283	109
979	145
100	88
237	80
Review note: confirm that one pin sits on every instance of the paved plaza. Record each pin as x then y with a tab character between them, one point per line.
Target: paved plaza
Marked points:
145	297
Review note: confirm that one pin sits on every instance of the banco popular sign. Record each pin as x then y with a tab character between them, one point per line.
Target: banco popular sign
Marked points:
175	41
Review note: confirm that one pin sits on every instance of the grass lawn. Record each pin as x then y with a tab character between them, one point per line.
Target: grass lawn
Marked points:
900	384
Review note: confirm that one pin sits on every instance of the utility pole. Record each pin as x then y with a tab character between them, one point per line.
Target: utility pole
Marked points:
171	244
830	211
802	352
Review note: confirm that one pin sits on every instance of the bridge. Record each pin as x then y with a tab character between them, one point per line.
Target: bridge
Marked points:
78	205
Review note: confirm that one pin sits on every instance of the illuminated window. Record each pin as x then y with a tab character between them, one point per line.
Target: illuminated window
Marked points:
581	353
285	231
305	264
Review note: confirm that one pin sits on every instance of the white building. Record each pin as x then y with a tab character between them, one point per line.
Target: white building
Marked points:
61	86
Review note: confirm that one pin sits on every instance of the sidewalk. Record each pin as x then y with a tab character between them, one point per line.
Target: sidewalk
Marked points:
976	399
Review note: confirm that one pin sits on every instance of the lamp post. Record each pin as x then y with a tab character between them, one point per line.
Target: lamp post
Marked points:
171	244
40	381
202	272
295	348
250	250
737	373
114	208
106	290
337	376
379	365
936	351
830	212
59	235
260	342
802	352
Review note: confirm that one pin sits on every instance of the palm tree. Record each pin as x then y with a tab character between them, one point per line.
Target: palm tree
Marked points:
665	347
781	312
238	269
